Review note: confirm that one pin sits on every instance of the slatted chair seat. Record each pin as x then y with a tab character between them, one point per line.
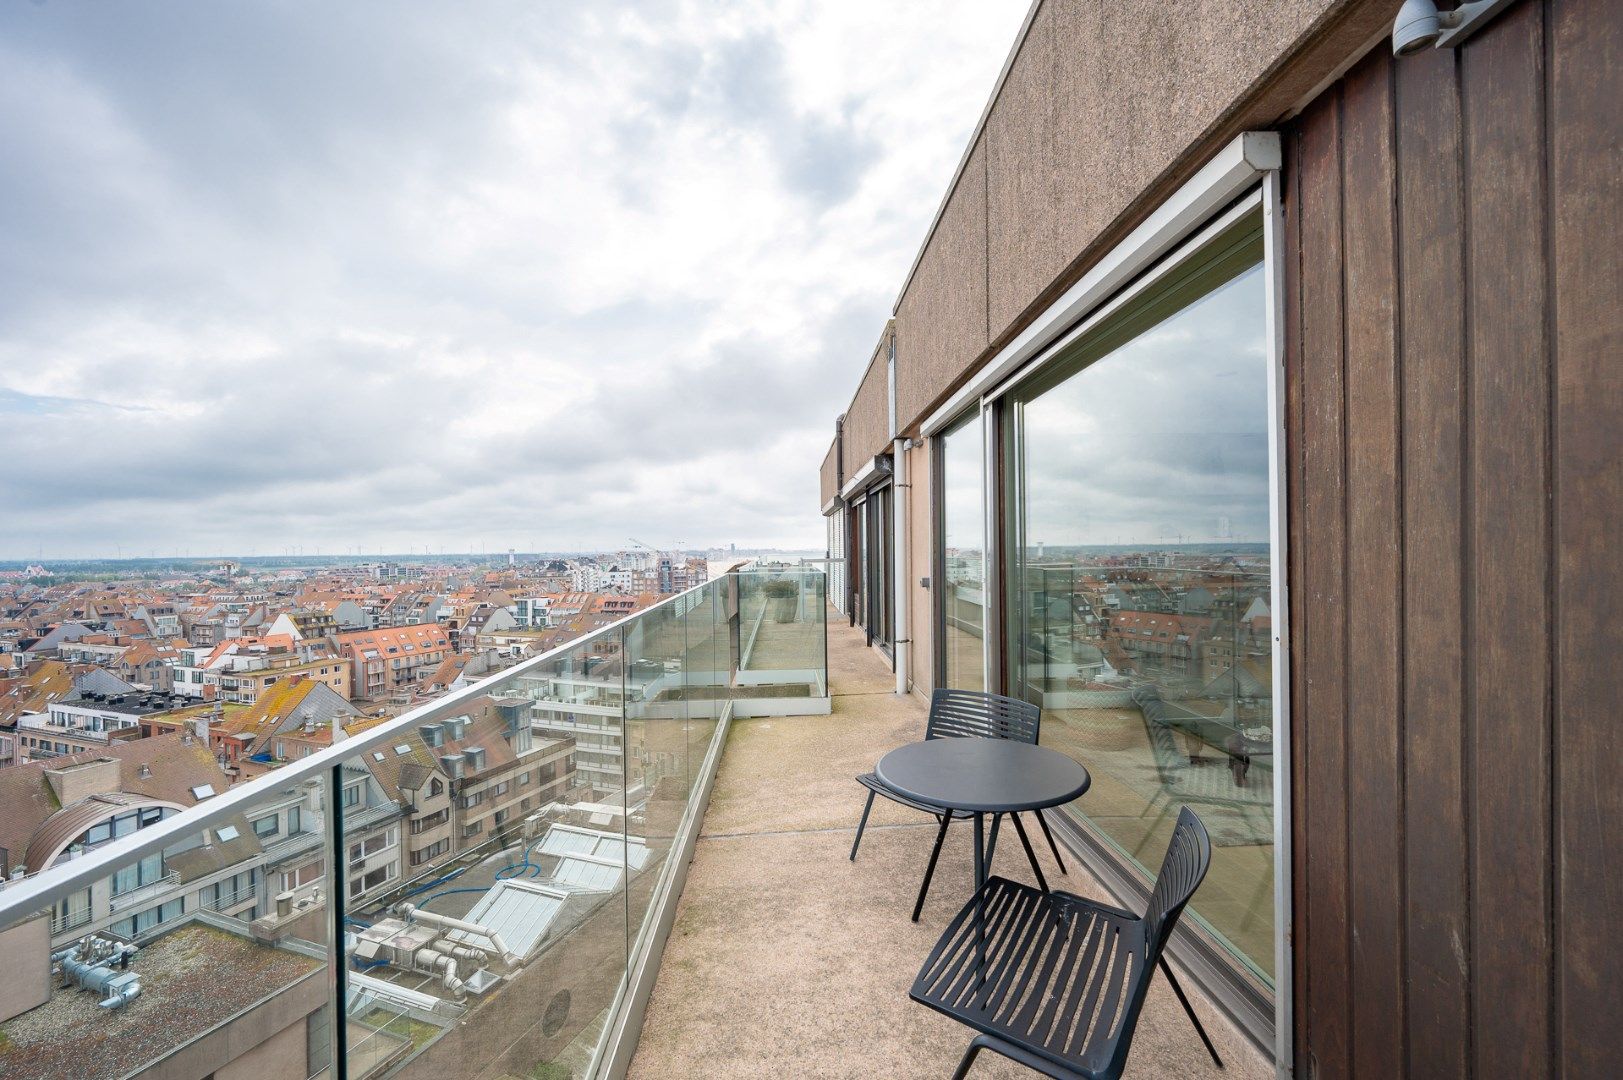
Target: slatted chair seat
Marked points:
1063	978
872	782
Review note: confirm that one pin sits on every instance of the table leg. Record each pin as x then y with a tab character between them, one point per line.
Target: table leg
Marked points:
980	898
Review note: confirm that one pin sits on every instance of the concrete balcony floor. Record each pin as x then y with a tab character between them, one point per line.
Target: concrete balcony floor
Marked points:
786	959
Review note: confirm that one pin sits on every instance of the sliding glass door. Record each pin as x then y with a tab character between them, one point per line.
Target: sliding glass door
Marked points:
1138	606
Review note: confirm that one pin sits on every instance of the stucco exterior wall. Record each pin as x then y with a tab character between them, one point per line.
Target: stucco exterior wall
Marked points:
1106	108
829	475
27	947
867	421
944	320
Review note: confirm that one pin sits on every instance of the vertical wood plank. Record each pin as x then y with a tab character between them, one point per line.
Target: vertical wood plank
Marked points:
1324	588
1296	494
1374	563
1502	86
1586	144
1430	227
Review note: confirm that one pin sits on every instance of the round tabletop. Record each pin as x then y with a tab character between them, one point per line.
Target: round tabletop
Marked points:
983	775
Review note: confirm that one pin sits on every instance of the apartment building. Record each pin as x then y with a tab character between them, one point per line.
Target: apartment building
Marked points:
246	685
1259	382
388	660
496	770
59	810
101	710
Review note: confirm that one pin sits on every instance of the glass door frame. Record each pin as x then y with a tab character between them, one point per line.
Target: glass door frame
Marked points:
878	508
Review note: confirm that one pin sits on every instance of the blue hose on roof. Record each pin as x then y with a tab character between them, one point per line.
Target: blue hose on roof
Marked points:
517	868
425	886
448	892
523	867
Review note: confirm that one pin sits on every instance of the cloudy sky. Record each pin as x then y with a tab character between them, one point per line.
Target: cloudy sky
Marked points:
533	275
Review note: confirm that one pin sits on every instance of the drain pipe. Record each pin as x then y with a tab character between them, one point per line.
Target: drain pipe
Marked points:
902	634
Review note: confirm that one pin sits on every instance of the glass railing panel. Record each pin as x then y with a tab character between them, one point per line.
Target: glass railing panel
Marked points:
494	861
783	634
165	963
500	947
709	670
658	773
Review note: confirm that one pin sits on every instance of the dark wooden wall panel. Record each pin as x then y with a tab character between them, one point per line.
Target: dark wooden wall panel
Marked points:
1374	564
1586	184
1502	75
1453	352
1321	527
1431	227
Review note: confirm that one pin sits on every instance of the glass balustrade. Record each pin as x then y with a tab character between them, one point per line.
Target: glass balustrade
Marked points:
492	863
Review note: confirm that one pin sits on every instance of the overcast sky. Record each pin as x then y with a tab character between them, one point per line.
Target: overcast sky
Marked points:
531	275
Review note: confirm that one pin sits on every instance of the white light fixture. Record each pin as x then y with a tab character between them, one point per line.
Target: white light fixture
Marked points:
1420	24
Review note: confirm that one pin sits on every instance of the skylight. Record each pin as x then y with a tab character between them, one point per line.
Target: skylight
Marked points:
226	833
203	791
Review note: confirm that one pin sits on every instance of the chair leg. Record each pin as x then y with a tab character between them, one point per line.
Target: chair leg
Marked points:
1051	845
1031	856
991	840
929	870
863	824
975	1047
1200	1029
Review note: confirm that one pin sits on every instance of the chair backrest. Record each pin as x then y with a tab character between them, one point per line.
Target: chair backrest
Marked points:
1182	871
1169	760
961	713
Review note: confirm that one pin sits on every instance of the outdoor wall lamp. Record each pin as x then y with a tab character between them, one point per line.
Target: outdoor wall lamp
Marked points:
1420	24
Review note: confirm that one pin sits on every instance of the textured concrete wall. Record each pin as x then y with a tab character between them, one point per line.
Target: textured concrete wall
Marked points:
944	318
867	421
212	1052
27	949
830	474
1107	107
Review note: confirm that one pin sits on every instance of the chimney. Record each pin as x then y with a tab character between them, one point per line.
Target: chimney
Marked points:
200	728
74	782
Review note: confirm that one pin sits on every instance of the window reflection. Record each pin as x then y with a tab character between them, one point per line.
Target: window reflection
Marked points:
963	600
1139	603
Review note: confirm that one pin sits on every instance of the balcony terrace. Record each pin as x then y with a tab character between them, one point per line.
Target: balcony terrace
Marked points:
786	959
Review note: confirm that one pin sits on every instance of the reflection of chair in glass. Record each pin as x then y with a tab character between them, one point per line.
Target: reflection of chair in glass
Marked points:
1063	978
1184	781
961	714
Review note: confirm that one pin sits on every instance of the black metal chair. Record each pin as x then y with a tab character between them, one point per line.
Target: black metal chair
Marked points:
961	714
1063	978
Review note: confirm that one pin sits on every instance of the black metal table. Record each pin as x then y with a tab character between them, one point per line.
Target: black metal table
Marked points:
983	776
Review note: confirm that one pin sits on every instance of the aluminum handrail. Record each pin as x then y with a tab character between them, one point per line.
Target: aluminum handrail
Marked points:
20	899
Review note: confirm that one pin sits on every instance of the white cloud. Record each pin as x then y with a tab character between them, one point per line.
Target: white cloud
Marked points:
531	275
